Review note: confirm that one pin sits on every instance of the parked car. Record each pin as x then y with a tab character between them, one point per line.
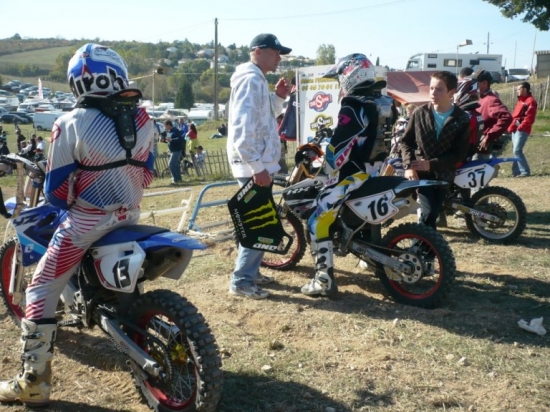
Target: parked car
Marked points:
23	116
497	77
13	118
517	75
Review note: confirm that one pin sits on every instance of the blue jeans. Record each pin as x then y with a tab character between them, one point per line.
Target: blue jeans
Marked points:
174	165
518	142
247	265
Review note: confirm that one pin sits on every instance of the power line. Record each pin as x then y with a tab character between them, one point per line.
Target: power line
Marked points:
179	30
387	3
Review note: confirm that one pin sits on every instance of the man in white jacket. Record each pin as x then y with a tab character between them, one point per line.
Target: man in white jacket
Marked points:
253	145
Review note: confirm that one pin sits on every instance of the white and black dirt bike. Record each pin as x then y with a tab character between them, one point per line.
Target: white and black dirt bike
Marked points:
493	213
414	263
172	353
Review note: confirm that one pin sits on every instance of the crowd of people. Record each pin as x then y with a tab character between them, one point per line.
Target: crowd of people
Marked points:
34	149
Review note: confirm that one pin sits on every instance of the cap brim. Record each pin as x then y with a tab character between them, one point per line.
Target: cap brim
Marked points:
285	50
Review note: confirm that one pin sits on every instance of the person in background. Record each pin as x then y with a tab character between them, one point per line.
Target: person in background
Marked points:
192	137
200	159
222	132
523	118
184	127
175	146
253	146
20	138
156	140
4	150
436	139
496	117
39	155
30	149
97	201
284	147
409	109
40	144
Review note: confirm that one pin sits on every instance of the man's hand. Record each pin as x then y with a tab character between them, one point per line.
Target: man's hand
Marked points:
262	179
282	88
484	145
411	174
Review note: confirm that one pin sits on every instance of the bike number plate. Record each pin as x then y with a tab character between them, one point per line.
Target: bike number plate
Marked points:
375	208
474	177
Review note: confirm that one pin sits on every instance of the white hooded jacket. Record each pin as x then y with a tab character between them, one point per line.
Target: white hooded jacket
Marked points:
253	143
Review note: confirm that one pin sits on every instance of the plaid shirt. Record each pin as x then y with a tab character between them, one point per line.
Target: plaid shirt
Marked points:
420	141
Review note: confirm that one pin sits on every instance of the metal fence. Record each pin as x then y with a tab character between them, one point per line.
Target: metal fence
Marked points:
216	164
538	90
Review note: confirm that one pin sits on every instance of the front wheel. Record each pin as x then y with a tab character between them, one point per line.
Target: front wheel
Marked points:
7	258
179	339
506	206
295	229
432	267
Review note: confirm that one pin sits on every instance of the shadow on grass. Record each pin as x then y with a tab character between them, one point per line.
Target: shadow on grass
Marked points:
481	305
260	393
241	391
65	406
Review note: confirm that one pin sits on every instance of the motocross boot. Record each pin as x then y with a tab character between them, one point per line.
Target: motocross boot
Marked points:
323	284
33	385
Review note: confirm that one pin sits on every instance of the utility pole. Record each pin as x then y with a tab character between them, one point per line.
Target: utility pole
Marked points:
487	42
216	68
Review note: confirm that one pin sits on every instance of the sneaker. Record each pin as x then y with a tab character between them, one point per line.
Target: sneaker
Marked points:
524	175
253	292
263	280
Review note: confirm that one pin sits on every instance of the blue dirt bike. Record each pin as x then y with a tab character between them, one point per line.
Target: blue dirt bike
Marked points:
173	356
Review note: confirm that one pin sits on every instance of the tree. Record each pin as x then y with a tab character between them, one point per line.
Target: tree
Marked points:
326	54
536	12
184	96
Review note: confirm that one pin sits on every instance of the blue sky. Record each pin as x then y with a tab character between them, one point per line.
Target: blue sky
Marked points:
392	30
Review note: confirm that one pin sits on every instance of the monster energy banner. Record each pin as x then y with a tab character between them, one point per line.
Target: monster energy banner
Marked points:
256	220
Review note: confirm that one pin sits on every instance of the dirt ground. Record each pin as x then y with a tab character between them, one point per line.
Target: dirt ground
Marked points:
359	352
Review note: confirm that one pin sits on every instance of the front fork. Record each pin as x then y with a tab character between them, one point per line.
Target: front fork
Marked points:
16	278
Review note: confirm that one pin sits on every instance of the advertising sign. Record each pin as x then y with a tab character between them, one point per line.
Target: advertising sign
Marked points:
317	101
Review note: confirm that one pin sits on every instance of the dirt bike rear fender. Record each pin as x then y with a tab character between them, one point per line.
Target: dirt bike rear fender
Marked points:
176	249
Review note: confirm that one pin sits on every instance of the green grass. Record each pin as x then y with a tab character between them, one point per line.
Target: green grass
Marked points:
44	58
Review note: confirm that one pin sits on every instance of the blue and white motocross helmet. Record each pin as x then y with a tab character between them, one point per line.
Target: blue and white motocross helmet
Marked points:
96	69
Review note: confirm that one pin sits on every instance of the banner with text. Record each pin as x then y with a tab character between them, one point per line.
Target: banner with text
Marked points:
317	101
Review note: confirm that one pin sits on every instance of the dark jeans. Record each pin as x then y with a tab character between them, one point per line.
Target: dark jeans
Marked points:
431	201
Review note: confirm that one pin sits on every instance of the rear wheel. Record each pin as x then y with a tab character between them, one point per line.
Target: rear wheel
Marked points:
179	339
430	261
7	256
295	229
506	206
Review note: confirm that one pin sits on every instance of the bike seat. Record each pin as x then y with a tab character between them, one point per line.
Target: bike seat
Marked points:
133	233
376	185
